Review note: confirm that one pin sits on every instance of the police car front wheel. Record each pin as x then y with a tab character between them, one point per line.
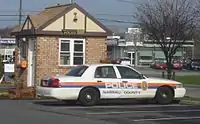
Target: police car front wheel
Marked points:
89	96
164	95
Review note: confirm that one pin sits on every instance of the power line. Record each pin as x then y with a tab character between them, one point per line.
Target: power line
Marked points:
102	19
12	15
97	14
10	20
104	14
128	1
118	21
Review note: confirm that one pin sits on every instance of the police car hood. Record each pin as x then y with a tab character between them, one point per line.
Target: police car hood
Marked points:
161	80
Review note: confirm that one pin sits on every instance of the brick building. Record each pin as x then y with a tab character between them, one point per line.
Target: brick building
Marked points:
57	38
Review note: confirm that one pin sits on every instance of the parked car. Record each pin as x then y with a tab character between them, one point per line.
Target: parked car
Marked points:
163	65
195	65
90	83
125	61
159	65
191	64
177	65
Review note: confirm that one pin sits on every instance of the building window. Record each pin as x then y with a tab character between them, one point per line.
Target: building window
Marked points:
78	52
65	52
72	52
146	57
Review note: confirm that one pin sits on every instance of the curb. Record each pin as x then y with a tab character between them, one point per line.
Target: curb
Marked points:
191	86
187	100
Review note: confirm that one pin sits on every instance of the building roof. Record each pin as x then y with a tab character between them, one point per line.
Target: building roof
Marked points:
47	14
50	14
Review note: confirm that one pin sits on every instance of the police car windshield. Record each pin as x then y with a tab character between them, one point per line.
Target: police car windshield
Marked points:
143	76
76	71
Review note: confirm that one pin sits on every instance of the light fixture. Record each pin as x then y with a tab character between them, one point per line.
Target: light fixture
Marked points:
75	17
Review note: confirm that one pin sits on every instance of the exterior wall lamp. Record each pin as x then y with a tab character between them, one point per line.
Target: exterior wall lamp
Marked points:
75	17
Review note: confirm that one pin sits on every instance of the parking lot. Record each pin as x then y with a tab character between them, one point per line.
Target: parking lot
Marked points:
158	73
124	112
107	112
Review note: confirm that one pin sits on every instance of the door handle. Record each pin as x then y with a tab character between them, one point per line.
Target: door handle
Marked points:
125	81
99	81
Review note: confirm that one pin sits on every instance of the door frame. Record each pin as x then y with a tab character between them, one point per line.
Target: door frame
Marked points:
31	63
111	92
134	92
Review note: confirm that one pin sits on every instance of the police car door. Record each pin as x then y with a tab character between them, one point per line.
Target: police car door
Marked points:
130	80
107	76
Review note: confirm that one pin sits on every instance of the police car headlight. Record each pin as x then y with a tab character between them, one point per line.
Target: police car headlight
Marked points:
179	86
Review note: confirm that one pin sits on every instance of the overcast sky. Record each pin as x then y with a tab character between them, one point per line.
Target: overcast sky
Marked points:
106	9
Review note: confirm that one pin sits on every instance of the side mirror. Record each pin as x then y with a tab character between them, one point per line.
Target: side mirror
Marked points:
142	76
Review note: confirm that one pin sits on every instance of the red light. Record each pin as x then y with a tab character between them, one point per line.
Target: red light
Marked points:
55	83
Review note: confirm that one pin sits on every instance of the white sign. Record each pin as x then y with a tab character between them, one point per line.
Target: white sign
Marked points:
9	51
9	68
7	41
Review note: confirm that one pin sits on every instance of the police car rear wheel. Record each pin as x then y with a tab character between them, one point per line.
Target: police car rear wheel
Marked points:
89	96
164	95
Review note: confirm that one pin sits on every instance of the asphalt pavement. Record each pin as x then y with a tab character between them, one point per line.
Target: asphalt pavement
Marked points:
53	111
158	73
193	92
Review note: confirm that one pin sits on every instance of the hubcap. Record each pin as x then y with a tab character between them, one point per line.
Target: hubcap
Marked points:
88	97
164	95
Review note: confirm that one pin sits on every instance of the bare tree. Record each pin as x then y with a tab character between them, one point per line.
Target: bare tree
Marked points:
169	23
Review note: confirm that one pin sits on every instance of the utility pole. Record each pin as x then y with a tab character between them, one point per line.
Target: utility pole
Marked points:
20	12
71	1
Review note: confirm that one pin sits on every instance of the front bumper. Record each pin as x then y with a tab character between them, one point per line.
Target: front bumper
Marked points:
180	92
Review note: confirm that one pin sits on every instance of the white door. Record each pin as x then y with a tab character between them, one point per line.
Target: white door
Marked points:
31	63
131	81
108	77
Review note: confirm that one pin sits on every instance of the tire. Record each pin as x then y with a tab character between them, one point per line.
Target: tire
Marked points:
89	97
164	95
176	101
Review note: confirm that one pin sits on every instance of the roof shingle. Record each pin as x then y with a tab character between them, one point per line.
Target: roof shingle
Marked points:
47	14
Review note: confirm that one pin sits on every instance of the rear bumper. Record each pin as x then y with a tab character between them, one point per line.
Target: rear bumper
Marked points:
180	92
58	93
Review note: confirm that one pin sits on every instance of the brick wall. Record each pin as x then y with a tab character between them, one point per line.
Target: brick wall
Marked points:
47	51
46	56
96	50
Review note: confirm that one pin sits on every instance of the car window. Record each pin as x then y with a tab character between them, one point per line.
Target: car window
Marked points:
77	71
128	73
105	72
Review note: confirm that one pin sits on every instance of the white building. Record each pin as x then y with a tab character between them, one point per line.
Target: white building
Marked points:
140	51
7	47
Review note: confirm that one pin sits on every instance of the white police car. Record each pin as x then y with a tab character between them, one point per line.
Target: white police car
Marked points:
90	83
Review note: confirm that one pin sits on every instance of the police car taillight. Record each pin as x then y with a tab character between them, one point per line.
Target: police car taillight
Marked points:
55	83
